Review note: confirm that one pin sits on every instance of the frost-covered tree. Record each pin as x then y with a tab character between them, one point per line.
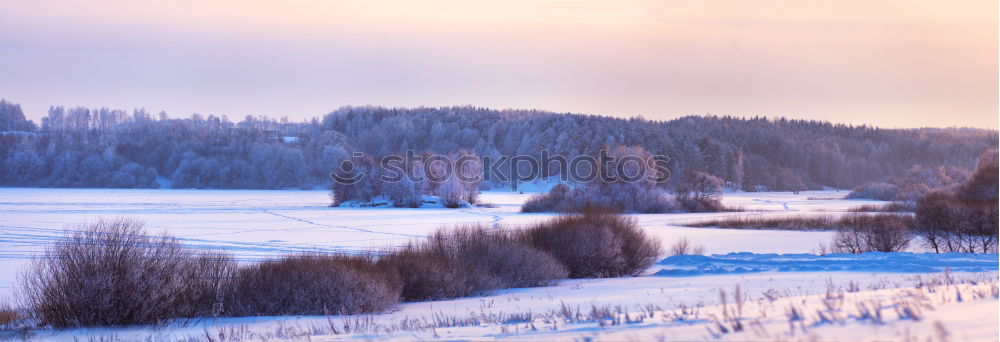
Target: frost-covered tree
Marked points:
260	152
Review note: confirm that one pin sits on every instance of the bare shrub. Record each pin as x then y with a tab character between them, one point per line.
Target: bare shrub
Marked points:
429	273
873	233
111	273
468	260
596	245
684	247
641	195
964	219
548	202
501	254
702	193
948	223
619	197
696	204
312	285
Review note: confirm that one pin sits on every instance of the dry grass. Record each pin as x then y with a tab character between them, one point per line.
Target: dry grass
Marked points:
856	233
891	207
779	223
9	318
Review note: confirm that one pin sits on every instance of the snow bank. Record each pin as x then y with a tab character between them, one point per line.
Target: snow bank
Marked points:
692	265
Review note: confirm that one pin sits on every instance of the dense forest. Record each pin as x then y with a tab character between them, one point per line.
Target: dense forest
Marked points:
82	147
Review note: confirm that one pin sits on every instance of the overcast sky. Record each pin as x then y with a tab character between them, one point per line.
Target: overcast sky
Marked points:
892	63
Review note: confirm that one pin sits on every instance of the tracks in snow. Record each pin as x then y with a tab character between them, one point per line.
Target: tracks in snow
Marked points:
362	230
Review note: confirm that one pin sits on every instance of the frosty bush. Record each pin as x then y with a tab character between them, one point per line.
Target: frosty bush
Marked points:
696	204
964	219
469	260
596	245
428	273
860	233
312	285
699	192
111	273
612	188
501	254
455	179
683	246
918	181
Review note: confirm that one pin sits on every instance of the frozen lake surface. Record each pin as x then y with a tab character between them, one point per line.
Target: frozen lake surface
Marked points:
256	224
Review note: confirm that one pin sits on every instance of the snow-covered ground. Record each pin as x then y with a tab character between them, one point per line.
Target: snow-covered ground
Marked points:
772	305
256	224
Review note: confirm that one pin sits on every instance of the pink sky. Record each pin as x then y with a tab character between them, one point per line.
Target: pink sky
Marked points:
892	63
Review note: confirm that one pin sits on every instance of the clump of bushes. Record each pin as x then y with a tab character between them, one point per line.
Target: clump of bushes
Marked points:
954	212
455	180
502	254
700	192
697	204
620	197
916	183
110	273
596	245
470	260
312	285
429	273
873	233
964	219
626	187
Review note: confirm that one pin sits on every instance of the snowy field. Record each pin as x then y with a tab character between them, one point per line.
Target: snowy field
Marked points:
780	297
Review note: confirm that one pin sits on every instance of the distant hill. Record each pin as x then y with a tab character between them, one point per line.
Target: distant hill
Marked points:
80	147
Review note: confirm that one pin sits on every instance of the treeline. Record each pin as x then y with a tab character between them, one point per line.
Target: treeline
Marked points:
81	147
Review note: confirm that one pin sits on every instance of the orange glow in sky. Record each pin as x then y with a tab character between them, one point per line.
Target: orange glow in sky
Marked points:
892	63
